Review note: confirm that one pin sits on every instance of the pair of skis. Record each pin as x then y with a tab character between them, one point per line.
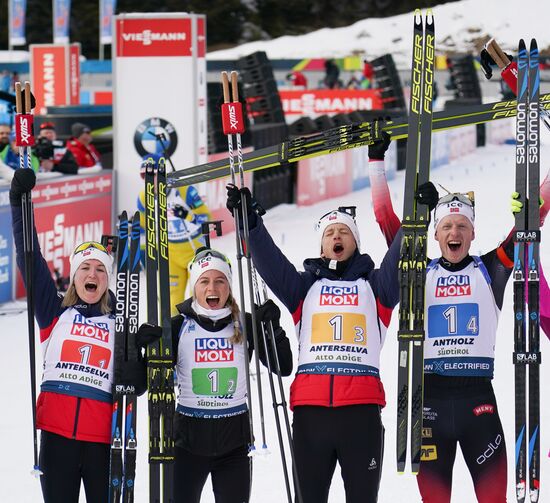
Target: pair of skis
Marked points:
123	429
160	364
526	272
342	138
413	254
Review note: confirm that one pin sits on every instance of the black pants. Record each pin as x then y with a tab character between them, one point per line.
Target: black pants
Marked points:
65	462
230	474
470	418
353	436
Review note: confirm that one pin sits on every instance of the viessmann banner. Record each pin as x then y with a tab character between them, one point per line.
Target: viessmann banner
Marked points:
55	74
159	101
315	102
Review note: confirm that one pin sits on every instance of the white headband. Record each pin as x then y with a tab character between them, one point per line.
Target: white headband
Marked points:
90	253
208	263
454	207
338	217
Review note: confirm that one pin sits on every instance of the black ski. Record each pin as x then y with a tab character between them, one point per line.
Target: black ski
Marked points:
121	328
160	373
533	221
526	268
132	355
342	138
412	264
123	430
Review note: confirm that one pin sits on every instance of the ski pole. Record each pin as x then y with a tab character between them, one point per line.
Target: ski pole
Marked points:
25	140
228	111
269	333
244	237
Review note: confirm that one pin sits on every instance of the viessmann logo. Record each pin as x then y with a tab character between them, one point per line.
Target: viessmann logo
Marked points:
147	37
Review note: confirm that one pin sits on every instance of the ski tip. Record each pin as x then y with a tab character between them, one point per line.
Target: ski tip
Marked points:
264	451
417	16
534	45
36	472
521	45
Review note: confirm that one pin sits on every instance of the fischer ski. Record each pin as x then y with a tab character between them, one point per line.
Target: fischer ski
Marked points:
526	271
123	430
343	138
160	364
413	259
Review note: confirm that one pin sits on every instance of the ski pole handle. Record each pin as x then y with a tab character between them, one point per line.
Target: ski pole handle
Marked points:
225	87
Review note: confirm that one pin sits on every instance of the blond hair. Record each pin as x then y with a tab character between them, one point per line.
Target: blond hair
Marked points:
71	298
237	337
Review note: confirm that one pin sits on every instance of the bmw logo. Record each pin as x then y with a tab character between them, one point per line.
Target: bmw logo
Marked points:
155	136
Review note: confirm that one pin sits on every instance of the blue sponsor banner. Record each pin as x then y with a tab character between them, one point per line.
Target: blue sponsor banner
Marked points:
61	16
106	13
17	10
7	266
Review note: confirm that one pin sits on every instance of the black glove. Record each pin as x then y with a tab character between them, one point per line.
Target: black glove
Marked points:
377	150
427	194
180	211
23	181
134	373
268	312
147	334
235	197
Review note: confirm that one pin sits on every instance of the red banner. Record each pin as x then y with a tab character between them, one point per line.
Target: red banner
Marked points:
68	212
74	74
324	177
315	102
153	37
48	75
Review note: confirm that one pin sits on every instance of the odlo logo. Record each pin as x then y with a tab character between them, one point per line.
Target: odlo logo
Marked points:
491	449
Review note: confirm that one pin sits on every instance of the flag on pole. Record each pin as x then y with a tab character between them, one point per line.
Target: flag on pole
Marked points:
17	9
61	16
106	12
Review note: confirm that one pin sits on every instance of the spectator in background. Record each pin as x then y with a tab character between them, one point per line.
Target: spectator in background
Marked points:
332	75
355	81
80	145
9	159
368	75
5	130
53	154
297	79
5	81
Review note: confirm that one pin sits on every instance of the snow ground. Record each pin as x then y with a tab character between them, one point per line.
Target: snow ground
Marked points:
489	171
459	26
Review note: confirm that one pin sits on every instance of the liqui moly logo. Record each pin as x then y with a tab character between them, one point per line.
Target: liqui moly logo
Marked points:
456	285
339	295
148	37
83	327
213	349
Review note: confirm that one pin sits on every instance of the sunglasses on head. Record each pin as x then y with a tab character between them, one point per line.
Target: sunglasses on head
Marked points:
465	198
208	252
90	244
